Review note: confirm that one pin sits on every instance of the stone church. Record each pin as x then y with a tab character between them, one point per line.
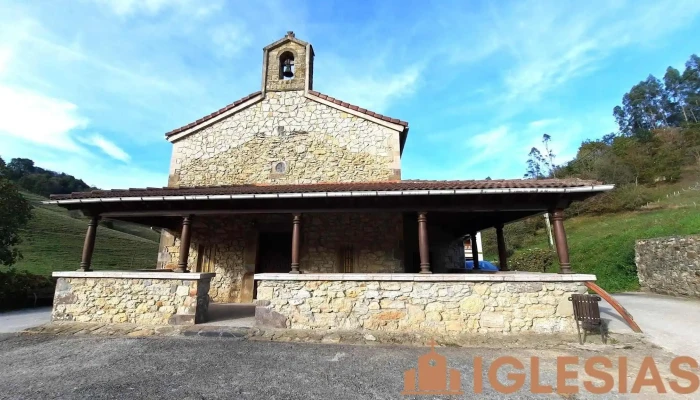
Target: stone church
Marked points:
288	134
295	199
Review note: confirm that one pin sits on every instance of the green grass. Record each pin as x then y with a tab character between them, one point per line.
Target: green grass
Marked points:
604	245
53	241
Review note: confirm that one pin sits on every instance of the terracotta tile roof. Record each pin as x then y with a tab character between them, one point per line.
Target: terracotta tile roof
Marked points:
331	187
358	109
214	114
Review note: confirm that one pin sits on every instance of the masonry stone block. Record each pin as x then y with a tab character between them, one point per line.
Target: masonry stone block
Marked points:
444	309
97	300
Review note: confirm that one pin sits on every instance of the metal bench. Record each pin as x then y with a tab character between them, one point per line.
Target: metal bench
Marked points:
587	315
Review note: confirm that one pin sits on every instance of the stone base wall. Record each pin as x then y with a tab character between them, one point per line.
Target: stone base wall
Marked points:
669	265
141	301
439	307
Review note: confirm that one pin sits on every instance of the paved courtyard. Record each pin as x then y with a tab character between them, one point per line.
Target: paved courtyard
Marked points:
70	367
670	322
16	321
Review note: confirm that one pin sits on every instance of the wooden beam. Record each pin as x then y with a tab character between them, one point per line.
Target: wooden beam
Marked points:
185	237
423	247
296	243
560	240
475	249
224	211
502	251
89	244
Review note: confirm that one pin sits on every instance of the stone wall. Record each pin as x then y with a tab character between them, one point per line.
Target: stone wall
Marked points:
448	252
669	265
230	244
141	301
440	307
312	141
375	240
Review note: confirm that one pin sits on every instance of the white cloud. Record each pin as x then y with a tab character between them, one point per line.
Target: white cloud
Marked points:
490	138
92	168
542	123
38	118
229	39
103	174
153	7
5	55
374	91
108	147
545	44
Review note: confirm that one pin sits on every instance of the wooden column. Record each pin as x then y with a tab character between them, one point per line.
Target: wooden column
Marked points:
89	244
502	253
185	237
560	240
296	243
475	250
423	248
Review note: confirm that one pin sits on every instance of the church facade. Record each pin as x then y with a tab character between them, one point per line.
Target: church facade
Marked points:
287	134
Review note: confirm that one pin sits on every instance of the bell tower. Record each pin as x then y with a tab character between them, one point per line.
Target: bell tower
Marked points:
288	65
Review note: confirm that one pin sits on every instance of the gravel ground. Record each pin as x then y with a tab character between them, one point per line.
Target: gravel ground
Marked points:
74	367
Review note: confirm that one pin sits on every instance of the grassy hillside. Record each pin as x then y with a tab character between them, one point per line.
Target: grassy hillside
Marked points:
53	241
604	244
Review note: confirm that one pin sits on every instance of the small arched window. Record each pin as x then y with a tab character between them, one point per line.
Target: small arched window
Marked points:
287	65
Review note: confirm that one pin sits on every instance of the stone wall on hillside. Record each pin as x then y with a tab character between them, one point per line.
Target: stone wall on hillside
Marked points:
440	307
669	265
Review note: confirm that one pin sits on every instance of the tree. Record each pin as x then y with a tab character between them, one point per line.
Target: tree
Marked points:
549	155
29	177
535	163
19	167
541	165
15	212
644	107
690	87
675	89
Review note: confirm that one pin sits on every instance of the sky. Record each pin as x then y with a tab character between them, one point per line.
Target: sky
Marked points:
89	87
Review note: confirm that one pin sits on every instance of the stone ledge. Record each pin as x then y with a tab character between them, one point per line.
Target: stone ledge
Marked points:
470	277
190	276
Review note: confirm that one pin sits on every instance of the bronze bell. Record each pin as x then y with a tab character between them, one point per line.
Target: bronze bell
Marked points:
287	71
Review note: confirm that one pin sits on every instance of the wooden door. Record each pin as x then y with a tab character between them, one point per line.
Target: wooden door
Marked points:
274	252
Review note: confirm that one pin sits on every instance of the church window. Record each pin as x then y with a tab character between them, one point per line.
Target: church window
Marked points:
279	167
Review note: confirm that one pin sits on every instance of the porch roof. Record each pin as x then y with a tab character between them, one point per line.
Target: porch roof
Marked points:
388	188
476	203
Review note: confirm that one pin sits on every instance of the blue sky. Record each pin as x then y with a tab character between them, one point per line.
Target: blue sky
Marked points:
89	87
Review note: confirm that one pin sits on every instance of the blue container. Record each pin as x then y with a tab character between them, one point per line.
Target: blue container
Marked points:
483	265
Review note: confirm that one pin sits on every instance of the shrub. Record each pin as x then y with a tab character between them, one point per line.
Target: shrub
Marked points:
533	260
623	198
21	289
516	234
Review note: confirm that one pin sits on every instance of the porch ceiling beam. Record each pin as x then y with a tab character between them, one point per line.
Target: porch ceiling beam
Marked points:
181	213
